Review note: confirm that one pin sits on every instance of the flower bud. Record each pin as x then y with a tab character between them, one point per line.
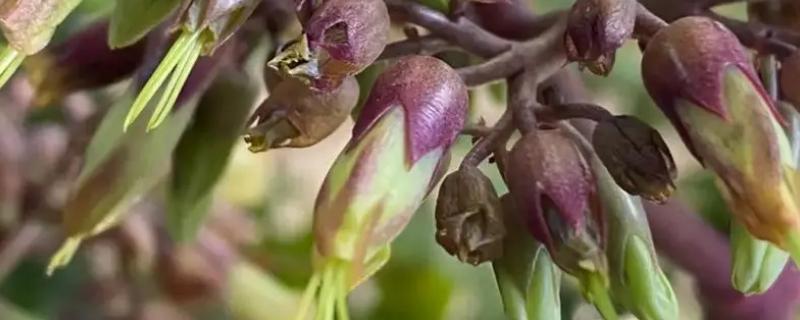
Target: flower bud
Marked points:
398	152
218	18
554	189
341	38
469	217
296	116
596	29
636	156
756	263
636	278
29	25
702	79
27	28
84	61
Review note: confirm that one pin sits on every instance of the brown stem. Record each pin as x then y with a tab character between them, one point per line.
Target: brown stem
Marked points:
573	111
647	23
757	36
544	53
522	100
496	138
462	32
426	45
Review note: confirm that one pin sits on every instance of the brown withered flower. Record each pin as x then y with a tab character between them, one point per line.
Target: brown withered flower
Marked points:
596	29
469	217
636	156
296	116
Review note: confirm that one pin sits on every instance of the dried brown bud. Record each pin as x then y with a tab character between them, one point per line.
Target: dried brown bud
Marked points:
636	156
469	217
296	116
596	29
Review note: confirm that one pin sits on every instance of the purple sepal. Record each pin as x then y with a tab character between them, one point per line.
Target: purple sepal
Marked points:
432	95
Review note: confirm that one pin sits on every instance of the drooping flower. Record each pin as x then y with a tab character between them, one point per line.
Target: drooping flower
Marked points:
554	189
596	29
340	39
398	152
702	79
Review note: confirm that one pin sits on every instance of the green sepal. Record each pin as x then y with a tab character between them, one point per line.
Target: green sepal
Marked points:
756	263
636	279
544	300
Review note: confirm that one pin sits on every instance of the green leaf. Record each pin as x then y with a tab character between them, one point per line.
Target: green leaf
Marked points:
204	150
133	19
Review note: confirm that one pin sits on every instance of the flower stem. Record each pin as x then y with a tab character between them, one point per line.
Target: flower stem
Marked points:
308	297
176	55
10	60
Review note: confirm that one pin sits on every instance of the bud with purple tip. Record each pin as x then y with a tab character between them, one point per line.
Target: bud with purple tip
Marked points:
702	79
596	29
340	39
554	188
398	152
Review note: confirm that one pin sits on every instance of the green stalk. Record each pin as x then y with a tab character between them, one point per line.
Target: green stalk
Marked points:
176	54
308	296
10	60
175	85
341	294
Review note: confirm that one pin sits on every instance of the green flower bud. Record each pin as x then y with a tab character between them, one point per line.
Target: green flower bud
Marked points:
703	80
528	279
636	278
398	152
756	263
544	299
469	217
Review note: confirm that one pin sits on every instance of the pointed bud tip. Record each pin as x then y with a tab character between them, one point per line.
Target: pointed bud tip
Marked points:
433	96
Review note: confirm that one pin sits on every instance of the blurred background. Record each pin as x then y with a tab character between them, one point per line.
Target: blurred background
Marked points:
252	258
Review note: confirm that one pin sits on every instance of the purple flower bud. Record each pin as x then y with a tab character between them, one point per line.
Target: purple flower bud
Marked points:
469	217
686	60
554	188
434	99
636	156
340	39
296	116
398	151
596	29
701	78
84	61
